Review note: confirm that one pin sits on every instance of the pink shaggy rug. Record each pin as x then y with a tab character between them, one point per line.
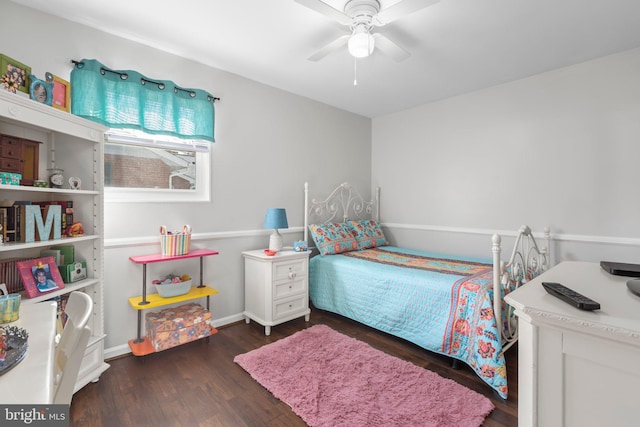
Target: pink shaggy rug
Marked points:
330	379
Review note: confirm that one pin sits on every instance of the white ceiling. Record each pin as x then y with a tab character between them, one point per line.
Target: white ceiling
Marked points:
456	46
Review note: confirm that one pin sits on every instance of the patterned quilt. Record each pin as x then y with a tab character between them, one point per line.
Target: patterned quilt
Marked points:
441	303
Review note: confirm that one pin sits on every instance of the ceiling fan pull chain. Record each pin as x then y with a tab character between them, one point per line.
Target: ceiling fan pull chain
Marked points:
355	72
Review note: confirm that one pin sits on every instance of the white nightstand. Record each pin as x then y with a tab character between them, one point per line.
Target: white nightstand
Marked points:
276	288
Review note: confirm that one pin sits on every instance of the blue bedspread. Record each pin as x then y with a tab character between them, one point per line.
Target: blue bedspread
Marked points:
441	303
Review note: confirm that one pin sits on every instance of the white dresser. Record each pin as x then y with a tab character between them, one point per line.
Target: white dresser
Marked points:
575	367
276	288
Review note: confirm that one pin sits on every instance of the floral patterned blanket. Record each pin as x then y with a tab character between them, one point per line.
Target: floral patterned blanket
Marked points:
442	303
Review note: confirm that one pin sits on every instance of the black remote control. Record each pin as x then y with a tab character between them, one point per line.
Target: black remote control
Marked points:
570	296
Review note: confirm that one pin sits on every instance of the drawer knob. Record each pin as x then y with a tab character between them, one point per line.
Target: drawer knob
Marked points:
292	275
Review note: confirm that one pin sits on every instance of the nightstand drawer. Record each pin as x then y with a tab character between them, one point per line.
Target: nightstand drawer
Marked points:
289	307
289	269
289	288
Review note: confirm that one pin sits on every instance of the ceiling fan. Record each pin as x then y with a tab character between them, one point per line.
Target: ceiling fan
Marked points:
361	16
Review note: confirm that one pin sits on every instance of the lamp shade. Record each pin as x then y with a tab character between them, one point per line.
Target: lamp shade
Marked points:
276	218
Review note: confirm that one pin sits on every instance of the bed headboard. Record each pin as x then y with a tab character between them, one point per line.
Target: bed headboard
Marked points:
342	204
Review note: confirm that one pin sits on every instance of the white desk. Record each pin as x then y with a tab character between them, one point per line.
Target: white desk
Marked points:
31	380
575	367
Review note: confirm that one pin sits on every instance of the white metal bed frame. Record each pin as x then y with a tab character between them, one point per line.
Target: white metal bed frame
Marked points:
527	259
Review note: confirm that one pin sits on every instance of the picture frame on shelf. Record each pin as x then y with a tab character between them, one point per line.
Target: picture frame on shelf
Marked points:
14	75
61	94
40	90
300	246
75	183
39	276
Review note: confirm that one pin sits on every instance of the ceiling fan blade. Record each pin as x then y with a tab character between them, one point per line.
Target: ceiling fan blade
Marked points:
326	10
331	47
400	9
389	48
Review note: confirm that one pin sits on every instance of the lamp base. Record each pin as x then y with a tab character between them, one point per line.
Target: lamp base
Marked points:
275	241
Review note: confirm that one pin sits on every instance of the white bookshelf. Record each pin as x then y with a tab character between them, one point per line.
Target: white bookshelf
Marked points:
76	145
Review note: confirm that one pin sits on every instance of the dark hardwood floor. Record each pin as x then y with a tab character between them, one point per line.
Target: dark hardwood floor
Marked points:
198	384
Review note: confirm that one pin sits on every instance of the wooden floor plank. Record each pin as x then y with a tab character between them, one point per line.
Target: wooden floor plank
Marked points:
199	384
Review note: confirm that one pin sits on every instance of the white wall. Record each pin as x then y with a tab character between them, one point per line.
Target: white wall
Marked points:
269	142
560	149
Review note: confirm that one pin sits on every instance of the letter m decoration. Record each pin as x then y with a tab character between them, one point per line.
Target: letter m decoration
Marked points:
33	227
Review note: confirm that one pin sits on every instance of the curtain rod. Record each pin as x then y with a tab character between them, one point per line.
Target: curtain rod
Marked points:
143	80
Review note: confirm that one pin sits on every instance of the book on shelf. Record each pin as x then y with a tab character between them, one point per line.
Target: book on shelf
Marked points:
67	253
3	223
61	315
55	253
13	216
10	275
17	225
67	214
11	223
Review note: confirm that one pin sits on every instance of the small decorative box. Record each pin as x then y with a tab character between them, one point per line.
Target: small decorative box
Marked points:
39	183
178	325
9	178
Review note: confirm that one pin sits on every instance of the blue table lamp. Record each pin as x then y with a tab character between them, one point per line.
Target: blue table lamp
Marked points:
276	218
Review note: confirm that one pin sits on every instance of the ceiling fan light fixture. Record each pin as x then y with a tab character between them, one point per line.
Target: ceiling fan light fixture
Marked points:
361	43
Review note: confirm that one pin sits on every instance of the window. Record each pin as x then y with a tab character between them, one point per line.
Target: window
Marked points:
160	137
152	168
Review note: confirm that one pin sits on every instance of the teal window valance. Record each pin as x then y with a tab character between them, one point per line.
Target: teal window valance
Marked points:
125	99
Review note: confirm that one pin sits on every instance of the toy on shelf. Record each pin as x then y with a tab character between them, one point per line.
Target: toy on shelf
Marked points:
173	285
74	230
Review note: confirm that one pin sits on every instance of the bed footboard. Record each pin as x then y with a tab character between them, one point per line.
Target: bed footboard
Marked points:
527	261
